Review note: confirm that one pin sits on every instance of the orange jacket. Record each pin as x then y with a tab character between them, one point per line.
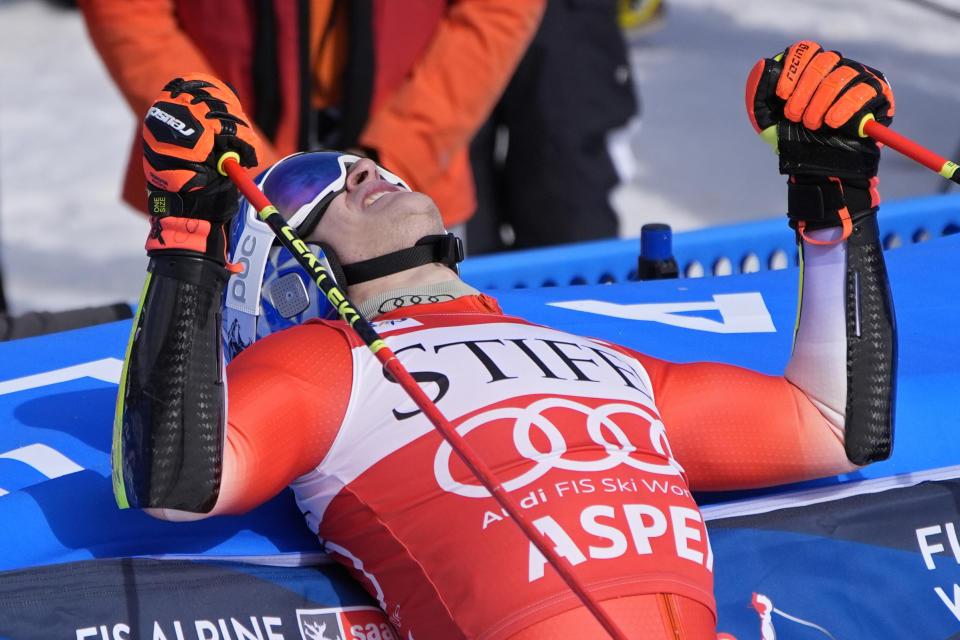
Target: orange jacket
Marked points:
438	69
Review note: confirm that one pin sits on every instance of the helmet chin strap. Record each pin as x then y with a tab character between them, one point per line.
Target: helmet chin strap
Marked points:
445	249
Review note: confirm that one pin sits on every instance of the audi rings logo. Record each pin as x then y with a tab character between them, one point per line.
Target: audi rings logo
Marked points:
527	420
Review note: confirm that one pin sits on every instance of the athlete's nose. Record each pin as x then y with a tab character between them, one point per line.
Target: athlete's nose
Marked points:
361	172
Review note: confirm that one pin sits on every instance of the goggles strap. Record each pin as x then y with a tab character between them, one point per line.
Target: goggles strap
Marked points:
306	226
445	249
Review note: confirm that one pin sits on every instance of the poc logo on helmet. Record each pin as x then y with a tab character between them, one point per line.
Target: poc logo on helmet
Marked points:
238	282
172	123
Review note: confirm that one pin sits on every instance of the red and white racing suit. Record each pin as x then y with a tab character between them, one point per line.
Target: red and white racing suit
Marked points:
599	444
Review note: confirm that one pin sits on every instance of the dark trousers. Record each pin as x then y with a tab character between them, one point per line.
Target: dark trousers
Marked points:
38	323
553	184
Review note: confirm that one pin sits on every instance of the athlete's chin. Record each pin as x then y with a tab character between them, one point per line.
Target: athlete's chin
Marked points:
407	203
410	208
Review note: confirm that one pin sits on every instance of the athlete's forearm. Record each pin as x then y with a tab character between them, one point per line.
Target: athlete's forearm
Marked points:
169	425
844	355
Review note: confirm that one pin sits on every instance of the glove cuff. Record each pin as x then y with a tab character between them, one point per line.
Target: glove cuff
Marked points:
216	204
173	227
815	202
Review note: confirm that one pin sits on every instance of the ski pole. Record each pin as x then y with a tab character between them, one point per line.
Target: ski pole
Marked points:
228	165
947	168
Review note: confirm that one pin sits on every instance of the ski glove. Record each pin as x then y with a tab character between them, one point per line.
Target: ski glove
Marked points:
810	104
192	124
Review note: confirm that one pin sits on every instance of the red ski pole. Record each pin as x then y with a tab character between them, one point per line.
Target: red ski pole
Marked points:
229	166
947	168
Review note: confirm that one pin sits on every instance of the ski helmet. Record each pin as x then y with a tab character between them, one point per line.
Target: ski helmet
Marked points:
273	291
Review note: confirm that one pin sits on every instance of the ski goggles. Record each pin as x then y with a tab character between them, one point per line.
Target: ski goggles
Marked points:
303	185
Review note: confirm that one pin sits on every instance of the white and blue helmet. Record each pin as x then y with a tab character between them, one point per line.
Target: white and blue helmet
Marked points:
273	291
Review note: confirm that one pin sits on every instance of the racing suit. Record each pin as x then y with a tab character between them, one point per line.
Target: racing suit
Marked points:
599	444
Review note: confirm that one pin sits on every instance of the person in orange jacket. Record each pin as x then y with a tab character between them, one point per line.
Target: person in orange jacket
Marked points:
408	84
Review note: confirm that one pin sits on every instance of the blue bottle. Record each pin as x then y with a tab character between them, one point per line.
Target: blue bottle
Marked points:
656	261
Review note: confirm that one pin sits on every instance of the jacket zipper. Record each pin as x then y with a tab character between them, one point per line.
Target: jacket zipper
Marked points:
669	605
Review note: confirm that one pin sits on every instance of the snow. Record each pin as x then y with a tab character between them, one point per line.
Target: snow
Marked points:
66	240
700	161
